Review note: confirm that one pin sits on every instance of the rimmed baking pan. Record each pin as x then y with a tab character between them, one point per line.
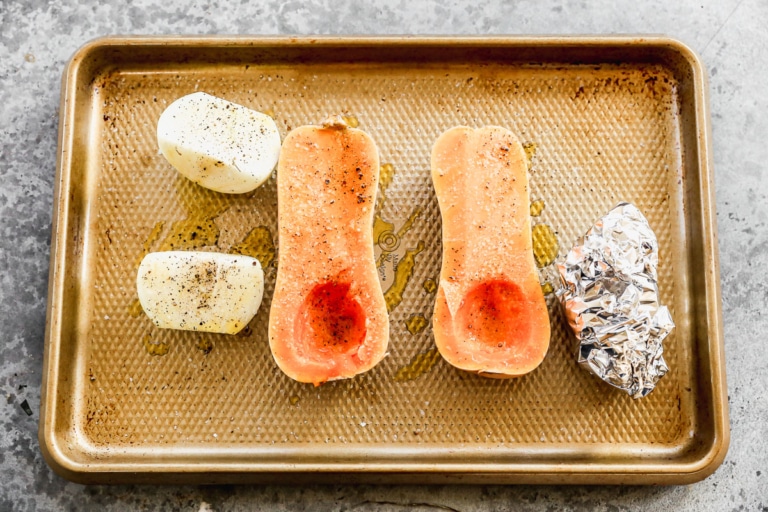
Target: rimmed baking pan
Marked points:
604	119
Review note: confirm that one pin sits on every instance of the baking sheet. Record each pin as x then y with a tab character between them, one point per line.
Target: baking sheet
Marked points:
603	120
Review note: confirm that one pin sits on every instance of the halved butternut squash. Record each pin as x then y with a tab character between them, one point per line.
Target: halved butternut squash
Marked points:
490	315
328	318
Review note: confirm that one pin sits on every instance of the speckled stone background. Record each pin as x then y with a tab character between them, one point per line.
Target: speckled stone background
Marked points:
36	39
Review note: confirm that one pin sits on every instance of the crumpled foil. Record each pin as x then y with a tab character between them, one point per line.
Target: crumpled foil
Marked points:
610	294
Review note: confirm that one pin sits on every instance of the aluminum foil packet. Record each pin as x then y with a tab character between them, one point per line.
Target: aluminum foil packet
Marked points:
611	298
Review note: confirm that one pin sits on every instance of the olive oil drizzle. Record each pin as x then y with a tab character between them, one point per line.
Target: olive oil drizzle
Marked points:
422	363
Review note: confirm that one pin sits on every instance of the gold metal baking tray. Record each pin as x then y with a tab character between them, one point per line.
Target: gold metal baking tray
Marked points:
604	119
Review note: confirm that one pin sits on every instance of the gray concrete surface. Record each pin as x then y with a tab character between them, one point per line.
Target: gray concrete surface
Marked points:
38	36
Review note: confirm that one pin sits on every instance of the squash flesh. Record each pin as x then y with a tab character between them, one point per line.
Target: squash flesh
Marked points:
328	319
490	315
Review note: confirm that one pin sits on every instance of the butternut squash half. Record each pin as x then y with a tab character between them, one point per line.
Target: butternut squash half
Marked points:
490	315
328	318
